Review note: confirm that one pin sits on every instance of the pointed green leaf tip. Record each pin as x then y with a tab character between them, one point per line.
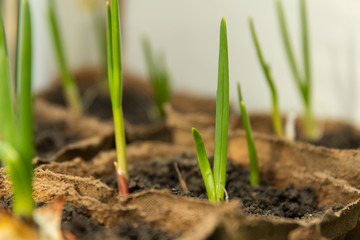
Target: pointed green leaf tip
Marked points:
277	122
204	166
215	180
239	92
302	78
159	76
222	114
254	167
70	87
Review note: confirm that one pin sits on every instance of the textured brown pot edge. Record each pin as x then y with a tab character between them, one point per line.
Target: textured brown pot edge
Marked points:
328	188
94	136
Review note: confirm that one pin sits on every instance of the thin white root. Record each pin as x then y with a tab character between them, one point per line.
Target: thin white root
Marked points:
226	193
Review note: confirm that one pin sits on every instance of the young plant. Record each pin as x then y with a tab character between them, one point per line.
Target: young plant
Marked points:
16	119
71	90
115	88
254	167
302	78
215	180
277	123
159	76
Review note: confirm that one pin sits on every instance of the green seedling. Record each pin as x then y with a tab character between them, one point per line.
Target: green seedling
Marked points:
16	119
277	123
159	76
116	89
215	180
302	79
71	90
254	167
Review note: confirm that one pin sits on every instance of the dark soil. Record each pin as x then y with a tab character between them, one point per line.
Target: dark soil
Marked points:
136	107
50	138
6	203
343	138
78	221
263	199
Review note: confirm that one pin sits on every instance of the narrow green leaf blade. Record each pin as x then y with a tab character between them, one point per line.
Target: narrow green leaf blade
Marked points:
153	72
116	81
109	49
277	123
222	114
71	90
288	48
159	76
254	167
204	166
311	130
7	118
303	81
25	144
305	42
21	178
164	82
148	57
116	52
56	37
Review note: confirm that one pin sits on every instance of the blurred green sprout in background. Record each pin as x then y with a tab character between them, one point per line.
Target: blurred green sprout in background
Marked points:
16	118
159	76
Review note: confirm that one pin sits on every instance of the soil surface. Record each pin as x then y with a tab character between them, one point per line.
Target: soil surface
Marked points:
50	138
339	135
78	222
341	138
136	107
263	199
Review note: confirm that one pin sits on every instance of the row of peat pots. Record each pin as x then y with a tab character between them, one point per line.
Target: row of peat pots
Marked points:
306	191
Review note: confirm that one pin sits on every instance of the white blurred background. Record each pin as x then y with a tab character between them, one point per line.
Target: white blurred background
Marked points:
187	31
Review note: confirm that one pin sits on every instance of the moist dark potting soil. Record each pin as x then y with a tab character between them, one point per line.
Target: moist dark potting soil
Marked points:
78	221
136	107
50	138
263	199
342	138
